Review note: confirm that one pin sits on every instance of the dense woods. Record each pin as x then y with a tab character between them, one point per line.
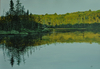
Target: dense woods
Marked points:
72	20
19	19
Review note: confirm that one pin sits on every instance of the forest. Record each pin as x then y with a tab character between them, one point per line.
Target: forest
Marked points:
20	20
80	19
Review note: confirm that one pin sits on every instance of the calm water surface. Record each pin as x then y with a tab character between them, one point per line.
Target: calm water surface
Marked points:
71	50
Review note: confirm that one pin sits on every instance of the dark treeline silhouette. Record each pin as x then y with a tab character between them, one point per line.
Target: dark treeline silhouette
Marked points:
17	19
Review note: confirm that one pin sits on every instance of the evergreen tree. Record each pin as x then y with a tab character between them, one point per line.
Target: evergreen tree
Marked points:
22	10
18	7
27	12
11	8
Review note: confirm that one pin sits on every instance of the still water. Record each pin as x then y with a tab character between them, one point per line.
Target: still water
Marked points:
56	50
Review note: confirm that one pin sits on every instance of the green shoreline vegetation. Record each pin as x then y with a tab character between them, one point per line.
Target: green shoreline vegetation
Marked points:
19	21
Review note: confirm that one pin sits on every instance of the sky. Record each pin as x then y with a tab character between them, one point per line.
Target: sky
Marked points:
53	6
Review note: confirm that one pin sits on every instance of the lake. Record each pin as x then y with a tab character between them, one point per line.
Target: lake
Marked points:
54	50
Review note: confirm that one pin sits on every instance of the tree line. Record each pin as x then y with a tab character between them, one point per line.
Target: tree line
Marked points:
18	19
78	19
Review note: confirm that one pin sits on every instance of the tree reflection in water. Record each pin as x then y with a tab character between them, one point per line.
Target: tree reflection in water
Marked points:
16	46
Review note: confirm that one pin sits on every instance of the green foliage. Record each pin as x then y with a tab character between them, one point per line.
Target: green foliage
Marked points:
17	19
98	11
86	17
11	6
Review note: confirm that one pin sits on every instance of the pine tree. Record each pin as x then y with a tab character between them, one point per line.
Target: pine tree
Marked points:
11	8
27	12
18	7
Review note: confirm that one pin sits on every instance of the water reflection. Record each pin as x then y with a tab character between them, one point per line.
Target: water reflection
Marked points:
16	46
70	37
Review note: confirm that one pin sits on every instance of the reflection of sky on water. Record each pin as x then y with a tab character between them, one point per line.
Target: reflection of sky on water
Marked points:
60	55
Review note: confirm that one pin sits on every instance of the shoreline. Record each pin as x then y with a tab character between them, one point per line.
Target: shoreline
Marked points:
14	32
45	30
